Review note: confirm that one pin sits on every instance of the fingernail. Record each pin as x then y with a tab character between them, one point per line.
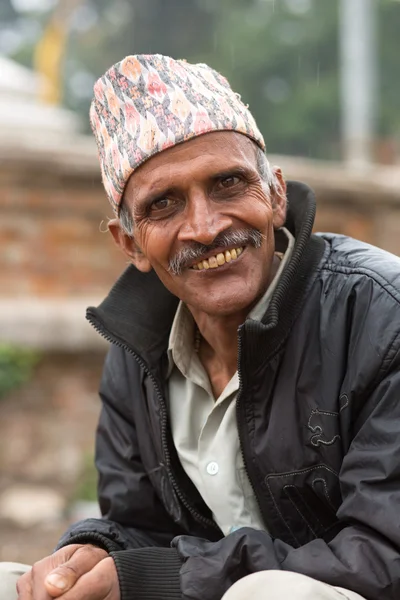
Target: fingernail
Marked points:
57	581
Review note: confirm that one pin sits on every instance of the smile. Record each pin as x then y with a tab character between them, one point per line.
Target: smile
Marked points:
213	262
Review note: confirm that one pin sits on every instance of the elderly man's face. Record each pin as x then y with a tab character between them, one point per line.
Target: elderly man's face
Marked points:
204	221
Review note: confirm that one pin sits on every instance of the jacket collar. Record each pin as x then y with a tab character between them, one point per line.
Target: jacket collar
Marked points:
138	312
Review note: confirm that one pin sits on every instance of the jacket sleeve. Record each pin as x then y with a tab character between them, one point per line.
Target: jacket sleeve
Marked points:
133	517
364	556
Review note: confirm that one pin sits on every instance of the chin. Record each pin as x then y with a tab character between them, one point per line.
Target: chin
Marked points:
225	305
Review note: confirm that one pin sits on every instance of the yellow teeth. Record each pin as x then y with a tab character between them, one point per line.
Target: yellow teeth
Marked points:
220	259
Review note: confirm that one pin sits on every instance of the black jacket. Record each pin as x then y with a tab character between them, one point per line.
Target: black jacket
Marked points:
318	416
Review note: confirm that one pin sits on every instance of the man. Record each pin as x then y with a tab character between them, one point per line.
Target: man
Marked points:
249	441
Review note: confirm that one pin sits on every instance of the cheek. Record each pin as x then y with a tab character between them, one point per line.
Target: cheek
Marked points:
155	243
256	210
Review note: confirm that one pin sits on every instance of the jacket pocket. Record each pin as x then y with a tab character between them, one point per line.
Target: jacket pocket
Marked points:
305	503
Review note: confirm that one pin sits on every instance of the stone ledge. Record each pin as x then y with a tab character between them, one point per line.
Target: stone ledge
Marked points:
49	324
76	156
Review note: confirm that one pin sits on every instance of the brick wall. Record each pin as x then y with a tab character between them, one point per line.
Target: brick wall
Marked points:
50	240
377	223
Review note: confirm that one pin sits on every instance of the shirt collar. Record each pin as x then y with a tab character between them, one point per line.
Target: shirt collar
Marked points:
261	307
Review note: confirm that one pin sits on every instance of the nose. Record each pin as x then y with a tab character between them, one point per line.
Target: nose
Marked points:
203	221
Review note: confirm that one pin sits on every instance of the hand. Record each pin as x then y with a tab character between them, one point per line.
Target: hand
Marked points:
76	572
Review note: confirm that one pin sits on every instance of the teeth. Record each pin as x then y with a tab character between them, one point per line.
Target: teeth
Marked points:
217	261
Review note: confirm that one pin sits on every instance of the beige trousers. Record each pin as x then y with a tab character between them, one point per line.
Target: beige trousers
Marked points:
9	574
284	585
265	585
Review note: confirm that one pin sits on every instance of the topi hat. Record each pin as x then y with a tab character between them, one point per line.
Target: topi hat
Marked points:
145	104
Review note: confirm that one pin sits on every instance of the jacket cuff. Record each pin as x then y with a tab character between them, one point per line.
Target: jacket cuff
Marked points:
148	573
93	538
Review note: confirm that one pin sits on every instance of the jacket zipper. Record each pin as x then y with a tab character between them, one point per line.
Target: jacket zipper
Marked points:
238	418
204	521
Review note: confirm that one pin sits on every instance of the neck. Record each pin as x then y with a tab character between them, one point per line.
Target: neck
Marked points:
218	347
218	337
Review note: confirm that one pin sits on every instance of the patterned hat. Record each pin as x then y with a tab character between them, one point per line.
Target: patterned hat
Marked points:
148	103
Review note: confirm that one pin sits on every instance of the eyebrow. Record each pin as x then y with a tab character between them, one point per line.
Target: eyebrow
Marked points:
156	195
161	193
231	171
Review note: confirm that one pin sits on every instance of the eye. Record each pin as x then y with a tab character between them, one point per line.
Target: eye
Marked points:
161	204
229	182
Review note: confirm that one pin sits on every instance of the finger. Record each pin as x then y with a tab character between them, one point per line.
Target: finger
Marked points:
64	577
38	588
24	587
101	583
31	585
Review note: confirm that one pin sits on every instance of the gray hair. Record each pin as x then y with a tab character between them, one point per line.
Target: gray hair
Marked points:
125	218
263	167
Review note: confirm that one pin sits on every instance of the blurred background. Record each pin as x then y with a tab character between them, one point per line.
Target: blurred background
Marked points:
322	78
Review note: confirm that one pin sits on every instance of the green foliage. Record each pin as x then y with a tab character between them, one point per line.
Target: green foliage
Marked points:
283	59
16	367
389	68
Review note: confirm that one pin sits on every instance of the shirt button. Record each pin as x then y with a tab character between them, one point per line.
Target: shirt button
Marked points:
212	468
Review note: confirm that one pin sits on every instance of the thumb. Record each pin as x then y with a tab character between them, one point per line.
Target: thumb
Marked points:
60	580
63	578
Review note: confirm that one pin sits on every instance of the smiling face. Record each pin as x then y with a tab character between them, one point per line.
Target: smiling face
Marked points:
204	220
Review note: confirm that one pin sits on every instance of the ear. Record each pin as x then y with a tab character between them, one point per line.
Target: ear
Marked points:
128	245
279	201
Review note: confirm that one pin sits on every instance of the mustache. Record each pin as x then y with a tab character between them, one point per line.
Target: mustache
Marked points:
227	239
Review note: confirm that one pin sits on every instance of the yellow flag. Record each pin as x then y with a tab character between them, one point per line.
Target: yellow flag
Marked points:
48	59
49	52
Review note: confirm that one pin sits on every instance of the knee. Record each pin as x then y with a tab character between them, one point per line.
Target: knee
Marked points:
277	585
